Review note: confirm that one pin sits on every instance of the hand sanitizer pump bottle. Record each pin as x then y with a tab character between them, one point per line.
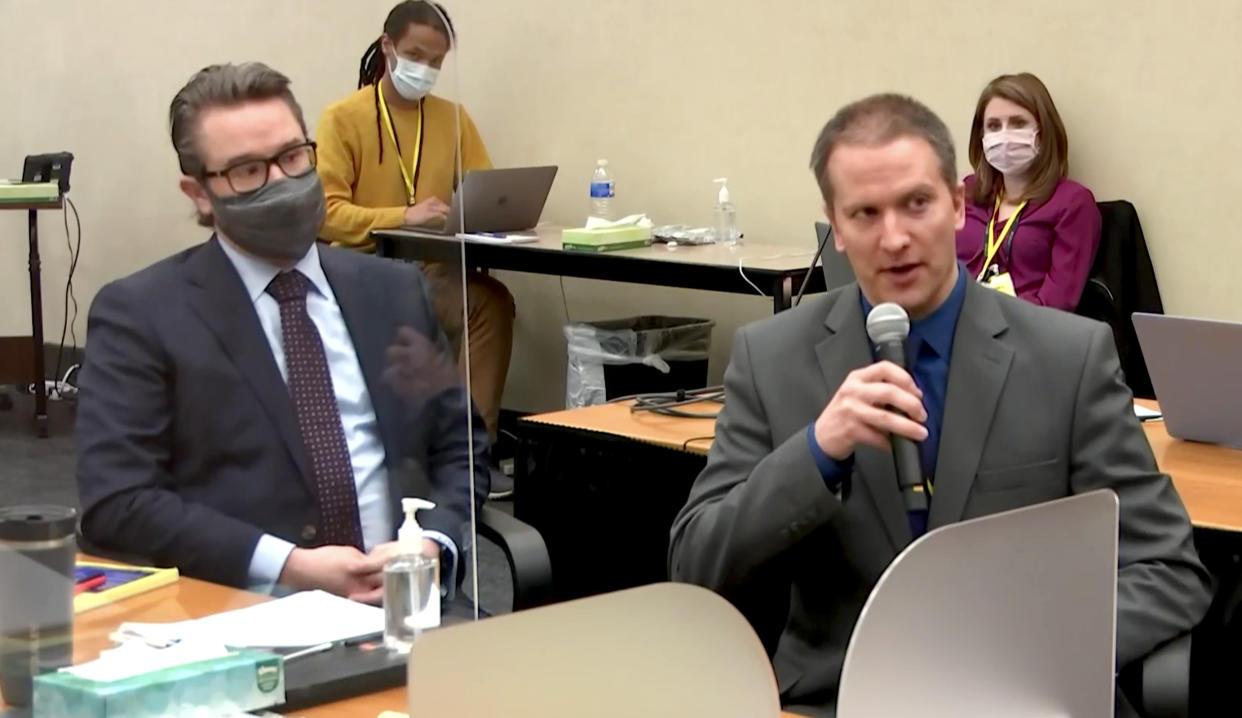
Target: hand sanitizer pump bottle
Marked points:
411	583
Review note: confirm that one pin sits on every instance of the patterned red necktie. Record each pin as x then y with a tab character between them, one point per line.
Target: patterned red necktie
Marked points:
319	418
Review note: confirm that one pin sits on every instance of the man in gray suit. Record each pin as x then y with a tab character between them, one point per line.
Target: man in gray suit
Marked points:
798	511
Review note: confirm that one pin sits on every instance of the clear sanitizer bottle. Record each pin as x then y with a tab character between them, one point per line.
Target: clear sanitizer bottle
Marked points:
411	583
727	232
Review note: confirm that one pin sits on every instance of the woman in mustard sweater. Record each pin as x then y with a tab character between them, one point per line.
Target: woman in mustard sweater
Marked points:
387	158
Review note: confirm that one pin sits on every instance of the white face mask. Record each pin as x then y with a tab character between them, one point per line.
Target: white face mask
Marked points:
412	79
1011	151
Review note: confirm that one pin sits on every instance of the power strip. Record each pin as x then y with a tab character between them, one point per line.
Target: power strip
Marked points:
57	390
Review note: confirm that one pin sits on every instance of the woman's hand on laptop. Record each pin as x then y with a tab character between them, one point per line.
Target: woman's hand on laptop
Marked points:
431	211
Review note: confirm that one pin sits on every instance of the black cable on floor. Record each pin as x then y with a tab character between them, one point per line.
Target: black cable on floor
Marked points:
68	322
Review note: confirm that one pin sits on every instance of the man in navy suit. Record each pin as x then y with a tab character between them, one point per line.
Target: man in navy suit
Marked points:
253	409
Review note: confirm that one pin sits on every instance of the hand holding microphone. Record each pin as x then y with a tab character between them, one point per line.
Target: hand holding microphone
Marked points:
879	405
857	414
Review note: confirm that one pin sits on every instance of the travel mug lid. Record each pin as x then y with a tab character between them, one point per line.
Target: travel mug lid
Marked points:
37	522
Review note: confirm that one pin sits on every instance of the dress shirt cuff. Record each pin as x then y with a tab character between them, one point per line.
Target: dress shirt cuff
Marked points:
832	471
267	561
448	563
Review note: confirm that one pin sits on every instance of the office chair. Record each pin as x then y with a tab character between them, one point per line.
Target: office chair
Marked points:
1159	685
1122	282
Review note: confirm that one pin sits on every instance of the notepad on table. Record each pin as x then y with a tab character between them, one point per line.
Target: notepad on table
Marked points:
120	581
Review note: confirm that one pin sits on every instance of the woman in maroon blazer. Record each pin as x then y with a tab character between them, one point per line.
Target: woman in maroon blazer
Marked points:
1029	230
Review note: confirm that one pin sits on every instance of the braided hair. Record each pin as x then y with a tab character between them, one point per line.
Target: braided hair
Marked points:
372	67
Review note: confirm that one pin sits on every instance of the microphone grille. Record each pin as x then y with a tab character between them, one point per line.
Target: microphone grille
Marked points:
887	322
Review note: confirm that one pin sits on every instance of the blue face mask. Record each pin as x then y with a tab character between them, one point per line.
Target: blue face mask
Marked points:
413	80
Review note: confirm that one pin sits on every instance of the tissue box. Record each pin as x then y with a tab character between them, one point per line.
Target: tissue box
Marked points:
605	239
28	192
239	682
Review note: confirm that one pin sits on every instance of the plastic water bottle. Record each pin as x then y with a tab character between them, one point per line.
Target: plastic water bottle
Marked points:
603	189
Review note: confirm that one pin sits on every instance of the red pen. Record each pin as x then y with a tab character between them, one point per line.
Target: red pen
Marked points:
90	583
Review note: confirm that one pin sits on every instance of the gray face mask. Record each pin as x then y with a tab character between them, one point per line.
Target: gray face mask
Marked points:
279	221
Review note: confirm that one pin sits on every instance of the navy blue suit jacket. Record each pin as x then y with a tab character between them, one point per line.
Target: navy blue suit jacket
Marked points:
188	446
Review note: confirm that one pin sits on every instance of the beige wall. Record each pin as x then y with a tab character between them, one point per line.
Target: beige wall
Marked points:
673	92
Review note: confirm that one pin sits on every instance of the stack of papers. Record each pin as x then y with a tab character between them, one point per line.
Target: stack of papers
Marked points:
500	237
308	618
134	658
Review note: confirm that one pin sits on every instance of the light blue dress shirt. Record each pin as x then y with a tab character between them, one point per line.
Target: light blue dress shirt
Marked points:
366	449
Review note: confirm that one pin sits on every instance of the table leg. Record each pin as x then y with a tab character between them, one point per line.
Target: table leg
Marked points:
36	326
782	294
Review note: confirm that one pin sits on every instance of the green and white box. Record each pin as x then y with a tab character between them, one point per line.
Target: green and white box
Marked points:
239	682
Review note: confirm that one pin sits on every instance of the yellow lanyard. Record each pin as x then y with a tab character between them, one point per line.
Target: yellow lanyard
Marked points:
994	242
411	175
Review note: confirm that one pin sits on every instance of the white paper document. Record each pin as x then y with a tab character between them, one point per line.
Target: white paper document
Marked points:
500	237
133	658
1144	414
307	618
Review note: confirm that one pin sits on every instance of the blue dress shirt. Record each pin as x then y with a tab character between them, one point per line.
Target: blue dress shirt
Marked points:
929	347
366	448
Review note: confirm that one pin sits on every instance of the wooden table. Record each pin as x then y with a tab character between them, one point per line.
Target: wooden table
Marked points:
183	600
682	434
186	599
776	270
189	598
1208	477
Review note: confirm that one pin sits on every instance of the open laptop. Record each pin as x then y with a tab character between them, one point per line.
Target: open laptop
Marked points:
1012	614
503	200
837	269
1194	369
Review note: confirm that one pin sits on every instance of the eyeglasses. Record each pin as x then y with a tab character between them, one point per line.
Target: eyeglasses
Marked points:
251	175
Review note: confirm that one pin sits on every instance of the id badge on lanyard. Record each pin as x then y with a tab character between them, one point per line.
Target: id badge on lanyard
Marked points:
410	176
991	276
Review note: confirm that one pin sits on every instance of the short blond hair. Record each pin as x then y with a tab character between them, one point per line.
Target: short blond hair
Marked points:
877	120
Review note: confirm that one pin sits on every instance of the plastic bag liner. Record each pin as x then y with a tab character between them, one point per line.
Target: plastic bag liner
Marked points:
619	357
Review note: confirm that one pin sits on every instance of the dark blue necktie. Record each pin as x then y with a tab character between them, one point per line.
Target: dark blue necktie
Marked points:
928	374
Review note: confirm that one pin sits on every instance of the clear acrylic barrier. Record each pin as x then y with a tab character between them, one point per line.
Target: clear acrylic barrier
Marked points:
416	368
430	369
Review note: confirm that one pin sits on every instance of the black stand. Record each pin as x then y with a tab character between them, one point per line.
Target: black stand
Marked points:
36	325
36	308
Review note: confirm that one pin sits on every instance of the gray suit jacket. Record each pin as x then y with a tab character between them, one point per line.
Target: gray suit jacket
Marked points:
1035	409
187	441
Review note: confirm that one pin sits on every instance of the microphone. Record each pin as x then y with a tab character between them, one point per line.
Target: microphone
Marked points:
888	325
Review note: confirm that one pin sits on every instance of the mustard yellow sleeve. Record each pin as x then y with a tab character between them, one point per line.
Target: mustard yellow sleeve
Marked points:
347	223
473	151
